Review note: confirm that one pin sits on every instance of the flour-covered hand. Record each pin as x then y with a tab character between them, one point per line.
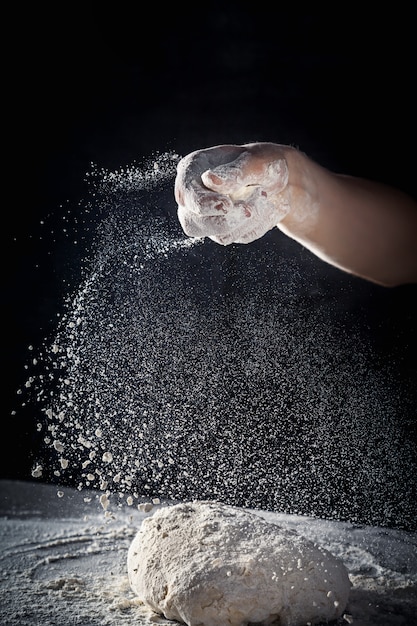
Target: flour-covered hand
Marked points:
236	194
231	193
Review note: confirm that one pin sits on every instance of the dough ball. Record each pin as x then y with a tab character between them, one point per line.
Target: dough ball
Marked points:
207	564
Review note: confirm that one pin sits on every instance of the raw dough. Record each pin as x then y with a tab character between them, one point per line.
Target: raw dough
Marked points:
208	564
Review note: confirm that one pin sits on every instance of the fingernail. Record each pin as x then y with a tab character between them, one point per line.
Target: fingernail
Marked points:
215	179
211	180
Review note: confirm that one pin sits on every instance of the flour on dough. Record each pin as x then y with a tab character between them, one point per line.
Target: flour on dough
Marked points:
204	563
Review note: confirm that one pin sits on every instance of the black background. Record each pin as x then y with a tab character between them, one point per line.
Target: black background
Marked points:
86	84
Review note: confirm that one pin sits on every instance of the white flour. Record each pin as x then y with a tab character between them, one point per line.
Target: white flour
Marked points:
167	347
210	564
63	561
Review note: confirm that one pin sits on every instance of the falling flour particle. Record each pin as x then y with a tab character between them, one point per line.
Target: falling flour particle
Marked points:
37	471
211	564
145	507
58	446
104	501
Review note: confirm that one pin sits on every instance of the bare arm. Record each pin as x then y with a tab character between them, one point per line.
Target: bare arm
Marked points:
238	193
362	227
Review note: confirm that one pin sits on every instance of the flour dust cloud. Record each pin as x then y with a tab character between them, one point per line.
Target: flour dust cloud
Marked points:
181	369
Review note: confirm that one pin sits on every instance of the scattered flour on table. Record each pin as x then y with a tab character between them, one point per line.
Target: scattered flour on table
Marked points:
62	563
210	564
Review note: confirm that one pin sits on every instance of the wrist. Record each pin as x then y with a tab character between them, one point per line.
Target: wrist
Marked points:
302	191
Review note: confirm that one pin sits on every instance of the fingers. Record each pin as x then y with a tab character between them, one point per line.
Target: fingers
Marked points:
231	193
220	225
245	222
251	167
206	178
244	234
218	215
227	178
189	188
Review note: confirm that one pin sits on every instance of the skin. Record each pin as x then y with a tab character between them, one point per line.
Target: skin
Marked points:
235	194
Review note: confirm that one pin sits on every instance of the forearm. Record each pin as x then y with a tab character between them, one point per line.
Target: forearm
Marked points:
362	227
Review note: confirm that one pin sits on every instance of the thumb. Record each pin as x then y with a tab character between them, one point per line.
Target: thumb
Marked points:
247	169
230	177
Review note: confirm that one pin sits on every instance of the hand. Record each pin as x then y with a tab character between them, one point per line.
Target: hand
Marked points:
233	194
